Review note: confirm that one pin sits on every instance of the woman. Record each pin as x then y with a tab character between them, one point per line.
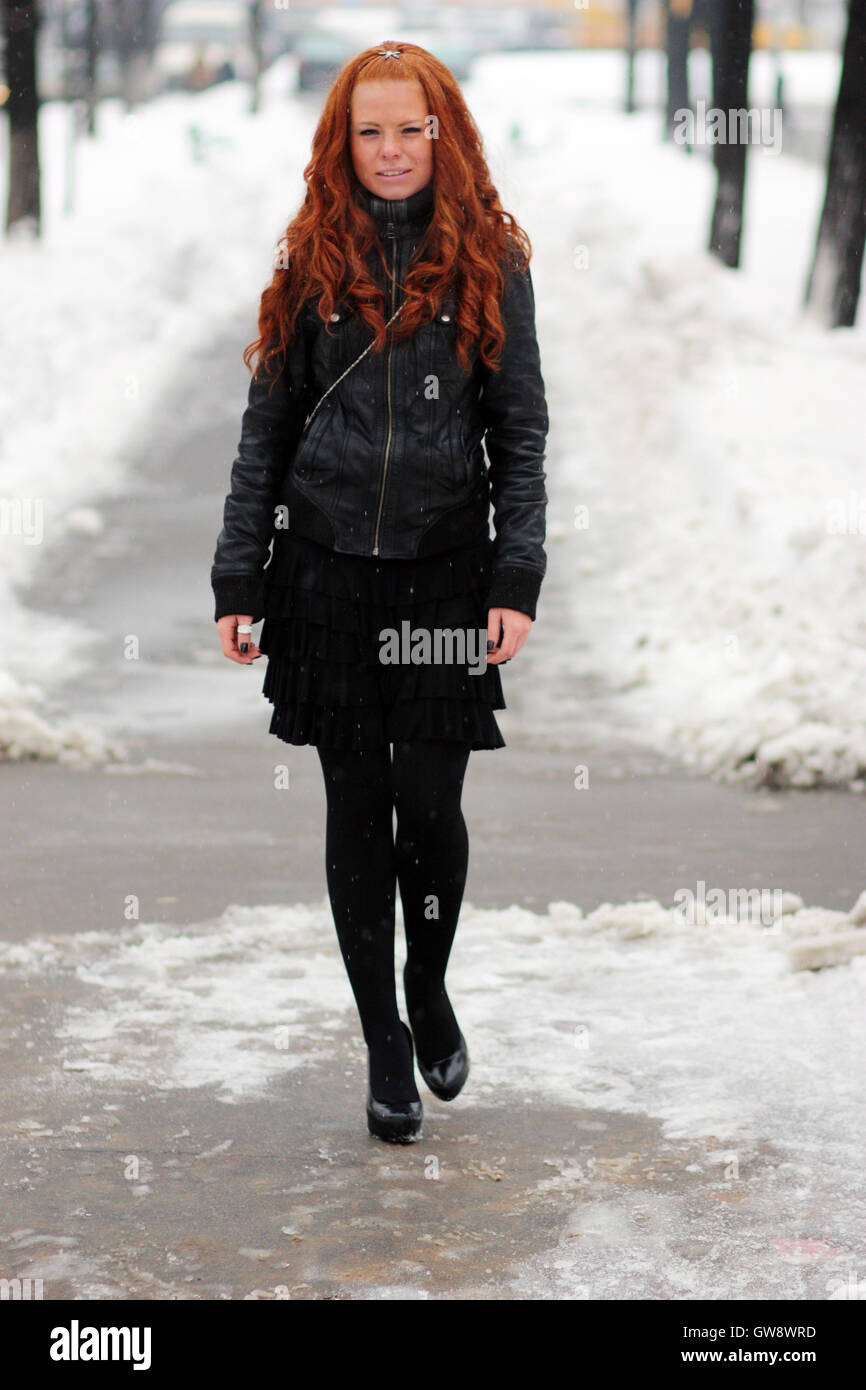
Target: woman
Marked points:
400	319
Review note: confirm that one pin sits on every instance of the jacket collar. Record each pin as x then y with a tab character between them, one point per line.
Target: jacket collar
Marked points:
410	216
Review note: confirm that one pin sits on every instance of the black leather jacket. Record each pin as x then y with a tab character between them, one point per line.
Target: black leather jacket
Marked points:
392	462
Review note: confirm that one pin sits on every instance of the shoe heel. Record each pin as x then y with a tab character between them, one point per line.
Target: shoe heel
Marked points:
397	1122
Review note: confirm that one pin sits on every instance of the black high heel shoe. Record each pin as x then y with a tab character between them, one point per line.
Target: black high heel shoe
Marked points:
397	1121
447	1078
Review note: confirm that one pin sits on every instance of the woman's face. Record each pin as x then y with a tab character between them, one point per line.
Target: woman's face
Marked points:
388	132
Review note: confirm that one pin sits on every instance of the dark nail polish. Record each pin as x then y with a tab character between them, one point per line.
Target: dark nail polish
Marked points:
245	646
490	646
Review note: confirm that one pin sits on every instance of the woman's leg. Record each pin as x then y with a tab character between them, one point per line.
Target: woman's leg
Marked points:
432	855
360	869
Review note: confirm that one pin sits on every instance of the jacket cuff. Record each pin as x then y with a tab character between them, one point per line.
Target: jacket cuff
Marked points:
515	586
238	593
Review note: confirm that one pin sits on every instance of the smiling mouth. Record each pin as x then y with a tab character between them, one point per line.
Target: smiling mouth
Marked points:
392	173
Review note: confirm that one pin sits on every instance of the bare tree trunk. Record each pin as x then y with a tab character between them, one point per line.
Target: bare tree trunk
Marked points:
121	27
256	47
90	93
135	25
23	204
631	50
678	21
833	287
731	38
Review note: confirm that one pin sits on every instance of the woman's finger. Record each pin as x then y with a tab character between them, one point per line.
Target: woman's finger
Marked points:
514	631
245	657
232	641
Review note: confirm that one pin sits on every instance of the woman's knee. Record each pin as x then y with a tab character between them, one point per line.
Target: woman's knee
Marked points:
357	783
427	783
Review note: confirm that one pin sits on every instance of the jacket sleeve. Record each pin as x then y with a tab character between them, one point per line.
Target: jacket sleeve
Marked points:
515	409
270	430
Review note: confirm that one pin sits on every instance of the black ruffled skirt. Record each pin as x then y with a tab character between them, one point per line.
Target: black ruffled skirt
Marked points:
324	616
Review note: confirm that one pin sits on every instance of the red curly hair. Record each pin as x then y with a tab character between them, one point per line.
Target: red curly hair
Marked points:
323	249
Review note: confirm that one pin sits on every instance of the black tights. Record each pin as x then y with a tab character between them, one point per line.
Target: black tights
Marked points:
365	861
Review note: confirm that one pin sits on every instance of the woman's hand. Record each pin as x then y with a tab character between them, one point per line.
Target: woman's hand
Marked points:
515	632
227	627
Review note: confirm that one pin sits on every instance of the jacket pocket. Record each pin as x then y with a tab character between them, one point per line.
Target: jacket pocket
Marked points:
338	335
333	352
441	334
468	471
304	463
441	362
444	325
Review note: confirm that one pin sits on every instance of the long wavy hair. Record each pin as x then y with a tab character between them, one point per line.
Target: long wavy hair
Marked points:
322	252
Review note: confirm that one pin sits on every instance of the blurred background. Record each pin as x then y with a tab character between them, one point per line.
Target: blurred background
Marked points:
697	307
88	50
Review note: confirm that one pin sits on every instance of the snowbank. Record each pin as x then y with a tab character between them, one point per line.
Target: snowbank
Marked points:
712	438
160	249
707	497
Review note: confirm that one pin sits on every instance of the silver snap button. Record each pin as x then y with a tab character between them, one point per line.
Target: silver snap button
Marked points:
446	318
335	318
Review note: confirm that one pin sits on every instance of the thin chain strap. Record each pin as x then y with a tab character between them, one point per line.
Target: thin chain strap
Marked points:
348	369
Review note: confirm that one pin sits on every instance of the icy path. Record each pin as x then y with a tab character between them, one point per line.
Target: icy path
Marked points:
754	1072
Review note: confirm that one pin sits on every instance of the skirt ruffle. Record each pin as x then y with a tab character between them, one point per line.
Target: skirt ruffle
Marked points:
324	613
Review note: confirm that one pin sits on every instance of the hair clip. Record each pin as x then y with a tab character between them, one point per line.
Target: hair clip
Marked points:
388	52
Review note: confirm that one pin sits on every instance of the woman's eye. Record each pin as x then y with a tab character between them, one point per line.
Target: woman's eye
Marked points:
409	130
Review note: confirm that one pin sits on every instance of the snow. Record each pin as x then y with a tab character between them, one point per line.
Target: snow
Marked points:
159	251
626	1008
711	431
713	435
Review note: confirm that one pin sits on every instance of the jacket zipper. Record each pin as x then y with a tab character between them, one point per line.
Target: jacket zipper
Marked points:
389	232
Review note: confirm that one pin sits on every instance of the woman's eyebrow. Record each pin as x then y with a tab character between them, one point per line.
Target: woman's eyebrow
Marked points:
407	120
